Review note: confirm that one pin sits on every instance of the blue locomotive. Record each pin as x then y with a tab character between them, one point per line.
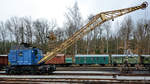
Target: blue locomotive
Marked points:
23	59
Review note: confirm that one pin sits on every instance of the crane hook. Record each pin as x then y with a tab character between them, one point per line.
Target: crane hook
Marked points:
144	4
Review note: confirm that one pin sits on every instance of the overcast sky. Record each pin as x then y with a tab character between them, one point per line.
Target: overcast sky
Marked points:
55	9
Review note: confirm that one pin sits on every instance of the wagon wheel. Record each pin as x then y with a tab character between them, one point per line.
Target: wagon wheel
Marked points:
12	72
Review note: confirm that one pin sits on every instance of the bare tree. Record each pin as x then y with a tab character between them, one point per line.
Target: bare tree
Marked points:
14	26
142	34
126	32
100	42
3	36
107	26
73	21
42	29
3	31
28	29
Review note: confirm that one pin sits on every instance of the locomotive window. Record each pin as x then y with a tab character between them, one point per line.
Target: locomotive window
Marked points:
104	58
20	53
36	52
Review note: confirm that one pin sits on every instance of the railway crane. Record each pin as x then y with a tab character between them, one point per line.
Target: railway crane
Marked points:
27	59
96	21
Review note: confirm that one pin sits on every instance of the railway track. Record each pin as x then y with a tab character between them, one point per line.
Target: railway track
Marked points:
96	68
73	79
60	80
88	74
133	73
100	74
105	77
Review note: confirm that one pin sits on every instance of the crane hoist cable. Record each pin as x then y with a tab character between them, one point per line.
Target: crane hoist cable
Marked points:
96	21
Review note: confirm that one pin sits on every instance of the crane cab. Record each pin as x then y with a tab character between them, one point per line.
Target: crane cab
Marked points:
24	59
22	55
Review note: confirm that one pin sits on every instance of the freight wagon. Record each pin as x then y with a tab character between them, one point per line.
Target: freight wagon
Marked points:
91	59
60	60
114	59
3	61
82	59
117	59
145	60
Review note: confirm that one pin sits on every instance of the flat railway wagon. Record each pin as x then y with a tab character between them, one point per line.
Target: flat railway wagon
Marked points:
3	61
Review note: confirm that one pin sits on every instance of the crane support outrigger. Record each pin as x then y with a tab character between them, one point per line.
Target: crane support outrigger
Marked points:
91	25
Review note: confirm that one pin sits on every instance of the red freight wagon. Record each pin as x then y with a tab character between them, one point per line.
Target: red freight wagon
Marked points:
3	61
59	59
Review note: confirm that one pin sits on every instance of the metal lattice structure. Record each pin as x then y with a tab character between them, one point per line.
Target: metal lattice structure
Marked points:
96	21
